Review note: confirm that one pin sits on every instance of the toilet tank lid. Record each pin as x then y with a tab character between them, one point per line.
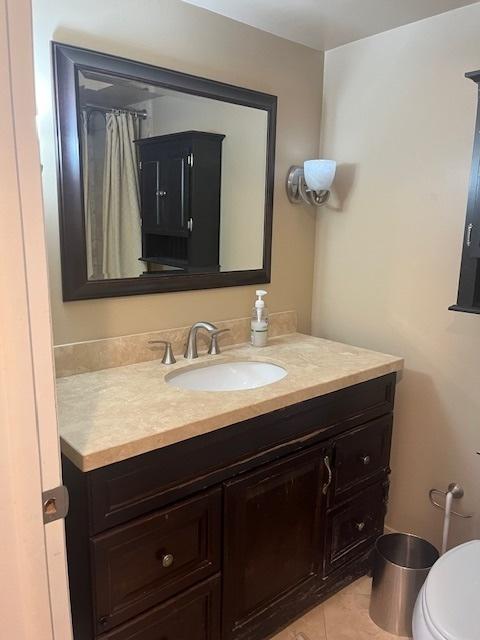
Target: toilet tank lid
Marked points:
452	593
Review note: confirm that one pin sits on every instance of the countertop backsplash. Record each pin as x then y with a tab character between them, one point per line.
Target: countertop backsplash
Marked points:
95	355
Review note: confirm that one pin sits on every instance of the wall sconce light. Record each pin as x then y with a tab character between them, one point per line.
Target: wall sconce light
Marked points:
311	183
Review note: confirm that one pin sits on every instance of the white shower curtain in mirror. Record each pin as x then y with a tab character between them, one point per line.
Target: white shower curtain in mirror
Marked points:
121	199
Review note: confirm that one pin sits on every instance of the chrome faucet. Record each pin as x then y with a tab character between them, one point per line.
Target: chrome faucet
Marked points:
191	350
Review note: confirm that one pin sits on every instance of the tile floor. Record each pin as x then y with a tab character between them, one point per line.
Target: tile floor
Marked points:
343	617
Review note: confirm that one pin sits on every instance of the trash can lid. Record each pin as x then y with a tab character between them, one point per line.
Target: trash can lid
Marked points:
452	593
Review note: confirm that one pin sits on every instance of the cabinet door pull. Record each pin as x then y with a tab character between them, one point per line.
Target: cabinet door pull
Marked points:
469	235
360	526
182	195
365	460
326	462
157	194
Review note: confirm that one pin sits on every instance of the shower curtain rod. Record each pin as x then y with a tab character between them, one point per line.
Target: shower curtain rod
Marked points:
139	114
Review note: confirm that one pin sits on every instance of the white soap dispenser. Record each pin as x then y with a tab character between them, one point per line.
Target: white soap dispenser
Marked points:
259	324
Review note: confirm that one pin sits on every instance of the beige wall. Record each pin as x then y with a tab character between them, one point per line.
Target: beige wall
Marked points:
182	37
399	118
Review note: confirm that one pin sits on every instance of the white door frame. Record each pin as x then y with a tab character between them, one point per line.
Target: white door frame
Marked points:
34	601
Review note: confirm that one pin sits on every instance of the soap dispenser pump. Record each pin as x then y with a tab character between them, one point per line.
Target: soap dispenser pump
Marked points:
259	323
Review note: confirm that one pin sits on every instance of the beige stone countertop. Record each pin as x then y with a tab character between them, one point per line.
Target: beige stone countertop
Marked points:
114	414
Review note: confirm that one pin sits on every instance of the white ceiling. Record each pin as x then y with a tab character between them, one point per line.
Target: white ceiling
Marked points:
326	24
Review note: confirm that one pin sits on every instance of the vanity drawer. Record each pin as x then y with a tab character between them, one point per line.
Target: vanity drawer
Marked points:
354	525
194	615
140	564
362	454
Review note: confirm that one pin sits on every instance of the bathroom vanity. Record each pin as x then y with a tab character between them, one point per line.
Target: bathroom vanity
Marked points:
252	508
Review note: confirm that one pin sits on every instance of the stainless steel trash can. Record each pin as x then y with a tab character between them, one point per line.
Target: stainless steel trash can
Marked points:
401	563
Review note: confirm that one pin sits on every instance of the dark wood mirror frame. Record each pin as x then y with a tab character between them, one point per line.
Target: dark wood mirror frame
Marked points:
67	61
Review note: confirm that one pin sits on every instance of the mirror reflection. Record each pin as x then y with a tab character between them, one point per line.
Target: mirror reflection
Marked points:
172	182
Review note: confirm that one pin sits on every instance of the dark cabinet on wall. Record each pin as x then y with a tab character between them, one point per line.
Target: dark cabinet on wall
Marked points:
469	284
233	534
180	184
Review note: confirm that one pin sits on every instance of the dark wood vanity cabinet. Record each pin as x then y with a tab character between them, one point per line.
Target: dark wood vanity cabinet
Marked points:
180	185
235	533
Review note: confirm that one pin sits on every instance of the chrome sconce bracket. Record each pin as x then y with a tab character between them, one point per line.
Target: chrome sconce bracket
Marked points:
298	191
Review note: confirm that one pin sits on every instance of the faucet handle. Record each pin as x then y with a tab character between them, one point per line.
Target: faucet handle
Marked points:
168	357
214	349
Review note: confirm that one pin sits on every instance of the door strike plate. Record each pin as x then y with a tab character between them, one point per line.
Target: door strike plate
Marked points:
55	504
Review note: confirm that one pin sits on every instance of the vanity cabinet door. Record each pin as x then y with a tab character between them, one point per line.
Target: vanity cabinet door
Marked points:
272	538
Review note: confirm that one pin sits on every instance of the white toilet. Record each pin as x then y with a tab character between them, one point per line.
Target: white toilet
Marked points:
448	605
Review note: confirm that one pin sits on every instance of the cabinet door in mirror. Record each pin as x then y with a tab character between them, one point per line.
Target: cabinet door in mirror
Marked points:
165	179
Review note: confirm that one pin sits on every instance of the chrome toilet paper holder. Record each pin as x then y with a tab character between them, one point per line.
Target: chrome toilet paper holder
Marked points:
457	492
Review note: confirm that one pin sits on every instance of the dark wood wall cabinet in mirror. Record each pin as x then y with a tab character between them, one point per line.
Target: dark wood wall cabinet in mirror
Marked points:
165	179
469	285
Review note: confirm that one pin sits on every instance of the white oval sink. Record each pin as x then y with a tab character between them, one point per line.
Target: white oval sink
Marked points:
227	376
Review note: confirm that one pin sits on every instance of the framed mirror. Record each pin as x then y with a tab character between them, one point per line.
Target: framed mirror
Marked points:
165	179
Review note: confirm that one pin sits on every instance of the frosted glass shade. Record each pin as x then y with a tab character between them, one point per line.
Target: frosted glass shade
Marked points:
319	174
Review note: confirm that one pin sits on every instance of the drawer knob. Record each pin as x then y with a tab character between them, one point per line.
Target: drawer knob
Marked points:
167	560
365	460
360	526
